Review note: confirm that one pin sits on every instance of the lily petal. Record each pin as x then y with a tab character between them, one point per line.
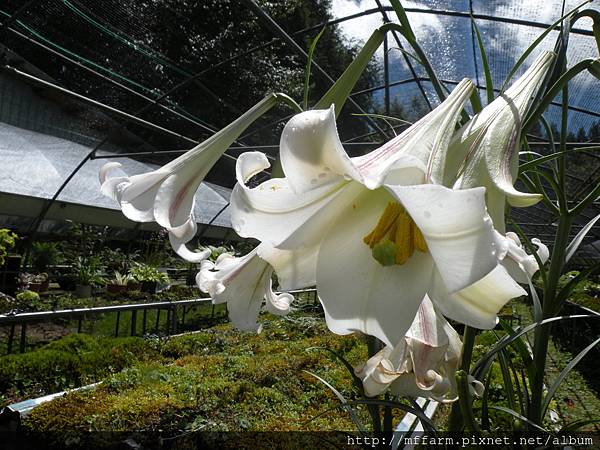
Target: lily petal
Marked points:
425	141
477	305
295	269
273	213
489	142
358	293
521	266
457	229
311	151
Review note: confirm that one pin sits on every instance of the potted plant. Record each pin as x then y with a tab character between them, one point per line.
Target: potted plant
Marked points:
118	284
88	273
45	255
149	276
8	239
34	283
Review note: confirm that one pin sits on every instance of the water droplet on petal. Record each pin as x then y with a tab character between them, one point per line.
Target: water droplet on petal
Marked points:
322	175
326	169
313	181
427	214
347	177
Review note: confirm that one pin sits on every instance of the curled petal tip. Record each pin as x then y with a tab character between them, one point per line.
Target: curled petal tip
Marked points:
103	173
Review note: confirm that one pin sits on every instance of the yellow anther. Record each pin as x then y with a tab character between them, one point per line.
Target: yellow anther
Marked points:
403	240
386	221
395	237
420	243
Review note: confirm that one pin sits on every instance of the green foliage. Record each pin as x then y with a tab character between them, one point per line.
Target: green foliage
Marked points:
7	242
145	272
117	260
69	362
28	300
121	280
218	379
216	251
88	270
45	254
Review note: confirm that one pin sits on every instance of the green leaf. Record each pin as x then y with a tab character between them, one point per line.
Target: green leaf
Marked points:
531	165
565	292
504	342
521	347
356	380
489	84
509	388
561	83
577	240
535	43
520	417
575	425
403	18
426	421
339	92
311	50
465	400
563	374
345	404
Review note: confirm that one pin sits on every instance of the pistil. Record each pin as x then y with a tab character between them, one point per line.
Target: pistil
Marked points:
395	237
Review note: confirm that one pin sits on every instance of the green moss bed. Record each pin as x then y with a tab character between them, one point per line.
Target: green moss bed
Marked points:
218	379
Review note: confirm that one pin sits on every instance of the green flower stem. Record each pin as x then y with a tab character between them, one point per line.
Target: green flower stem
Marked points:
542	333
373	346
467	351
455	422
465	401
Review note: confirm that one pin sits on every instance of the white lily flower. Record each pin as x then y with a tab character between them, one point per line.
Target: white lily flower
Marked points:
422	364
520	265
166	195
381	230
243	283
489	143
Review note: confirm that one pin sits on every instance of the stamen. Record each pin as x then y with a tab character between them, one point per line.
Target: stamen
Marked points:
395	237
387	219
404	241
420	243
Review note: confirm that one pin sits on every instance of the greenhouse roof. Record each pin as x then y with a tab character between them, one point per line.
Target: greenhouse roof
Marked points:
109	57
34	165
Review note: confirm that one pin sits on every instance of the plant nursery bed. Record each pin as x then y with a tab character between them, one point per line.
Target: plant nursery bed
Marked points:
219	379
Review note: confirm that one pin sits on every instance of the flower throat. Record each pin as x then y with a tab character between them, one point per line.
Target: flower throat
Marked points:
395	237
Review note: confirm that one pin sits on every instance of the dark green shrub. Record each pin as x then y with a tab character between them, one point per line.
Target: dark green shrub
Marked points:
72	361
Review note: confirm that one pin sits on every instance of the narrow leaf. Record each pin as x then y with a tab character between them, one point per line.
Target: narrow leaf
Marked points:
426	421
345	403
339	92
311	50
556	384
535	43
577	240
509	389
537	305
519	416
503	343
489	84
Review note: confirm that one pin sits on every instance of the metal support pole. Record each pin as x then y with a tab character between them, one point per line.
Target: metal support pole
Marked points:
157	324
117	324
23	337
11	336
274	27
144	322
406	60
174	320
386	75
133	322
